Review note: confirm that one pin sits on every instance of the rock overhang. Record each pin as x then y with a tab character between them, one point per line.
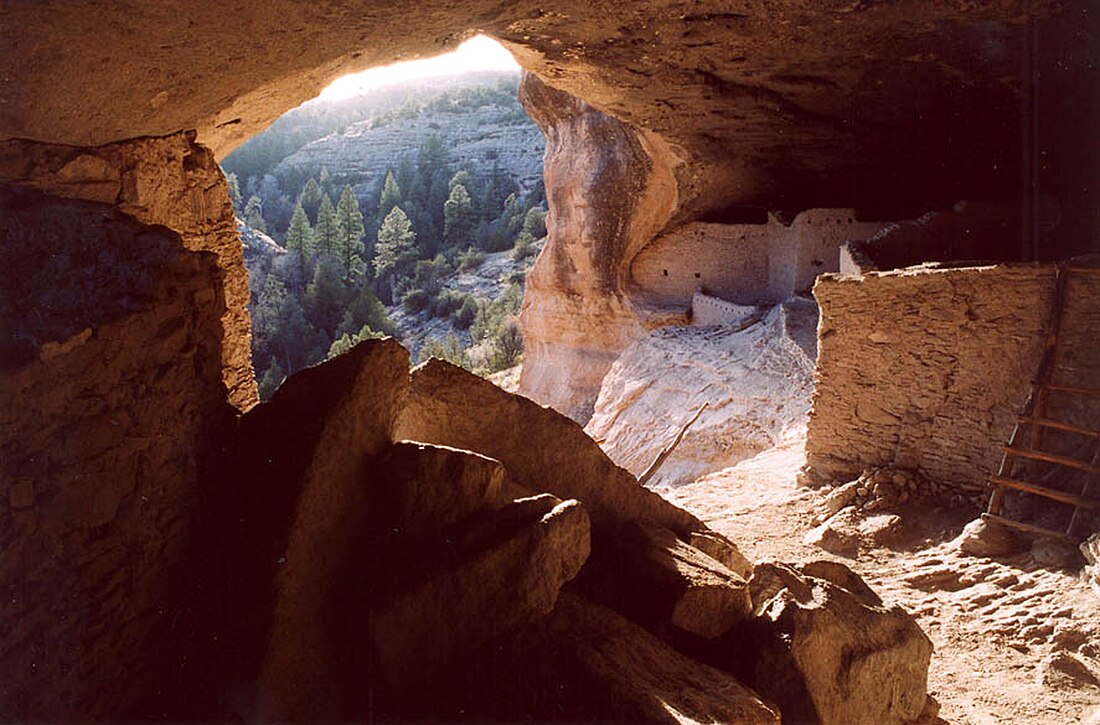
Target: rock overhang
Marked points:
790	104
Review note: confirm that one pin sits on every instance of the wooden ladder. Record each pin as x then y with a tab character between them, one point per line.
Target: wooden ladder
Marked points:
1033	422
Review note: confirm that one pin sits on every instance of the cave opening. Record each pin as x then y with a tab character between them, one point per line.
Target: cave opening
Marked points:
405	200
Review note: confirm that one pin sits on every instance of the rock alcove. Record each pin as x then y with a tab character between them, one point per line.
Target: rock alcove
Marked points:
172	551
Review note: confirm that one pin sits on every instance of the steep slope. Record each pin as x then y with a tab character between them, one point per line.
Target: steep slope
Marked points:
485	133
756	384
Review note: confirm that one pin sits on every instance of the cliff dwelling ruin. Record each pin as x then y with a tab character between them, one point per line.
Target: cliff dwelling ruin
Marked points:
843	253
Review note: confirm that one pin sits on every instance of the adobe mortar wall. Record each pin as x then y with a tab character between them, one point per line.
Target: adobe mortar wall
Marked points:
926	369
745	263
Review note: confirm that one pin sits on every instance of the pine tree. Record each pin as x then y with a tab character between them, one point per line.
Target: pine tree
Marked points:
324	178
366	310
461	177
299	235
253	214
347	341
311	199
459	218
534	223
234	187
396	250
391	195
271	380
326	296
349	237
326	233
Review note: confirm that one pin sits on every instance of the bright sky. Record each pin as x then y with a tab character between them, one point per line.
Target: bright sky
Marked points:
477	53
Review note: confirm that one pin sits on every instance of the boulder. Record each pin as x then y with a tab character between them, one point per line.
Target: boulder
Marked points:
658	581
831	654
586	663
542	449
987	539
274	543
832	539
840	497
505	571
425	488
426	560
756	384
1064	671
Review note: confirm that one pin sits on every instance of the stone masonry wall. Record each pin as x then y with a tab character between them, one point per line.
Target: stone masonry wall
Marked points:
707	310
745	263
926	368
170	181
111	399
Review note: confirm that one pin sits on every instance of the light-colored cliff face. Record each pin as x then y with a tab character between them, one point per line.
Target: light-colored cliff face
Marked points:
755	382
610	189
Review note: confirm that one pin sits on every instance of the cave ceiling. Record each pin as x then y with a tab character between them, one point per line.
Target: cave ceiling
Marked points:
785	103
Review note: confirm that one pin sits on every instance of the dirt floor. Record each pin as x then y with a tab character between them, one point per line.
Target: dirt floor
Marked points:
1014	642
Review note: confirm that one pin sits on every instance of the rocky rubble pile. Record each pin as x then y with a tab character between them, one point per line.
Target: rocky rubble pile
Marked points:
869	511
430	547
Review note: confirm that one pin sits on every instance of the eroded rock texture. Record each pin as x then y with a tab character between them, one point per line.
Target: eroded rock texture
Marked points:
172	182
774	103
111	413
756	384
720	112
610	189
149	573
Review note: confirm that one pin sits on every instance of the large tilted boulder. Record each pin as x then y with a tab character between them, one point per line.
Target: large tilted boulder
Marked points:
390	563
655	579
433	604
542	449
587	663
309	450
497	566
826	650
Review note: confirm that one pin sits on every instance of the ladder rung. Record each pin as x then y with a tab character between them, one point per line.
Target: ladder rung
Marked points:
1072	390
1050	458
1029	528
1067	498
1084	270
1059	425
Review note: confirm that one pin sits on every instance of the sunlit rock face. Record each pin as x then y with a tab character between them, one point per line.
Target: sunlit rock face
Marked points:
610	189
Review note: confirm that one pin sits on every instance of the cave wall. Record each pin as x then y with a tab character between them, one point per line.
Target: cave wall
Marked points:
123	379
126	355
971	231
926	369
111	406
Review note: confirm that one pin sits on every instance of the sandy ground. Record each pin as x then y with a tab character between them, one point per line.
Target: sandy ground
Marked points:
1014	642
